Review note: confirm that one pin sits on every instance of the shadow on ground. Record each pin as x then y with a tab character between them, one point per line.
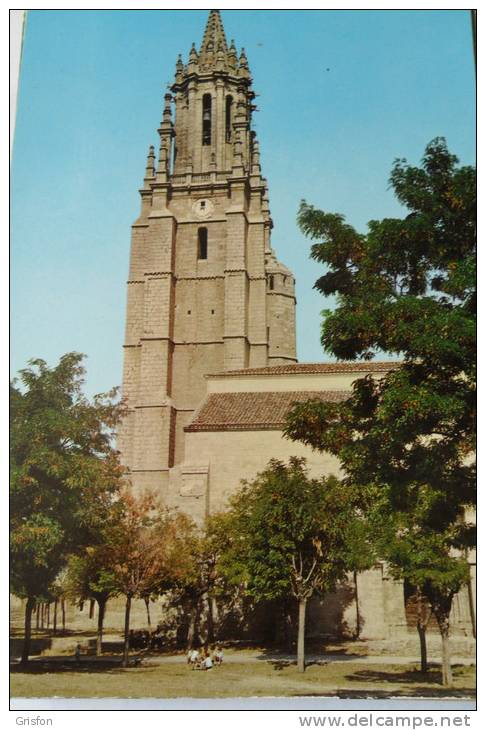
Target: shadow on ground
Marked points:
405	676
322	654
59	664
435	692
37	645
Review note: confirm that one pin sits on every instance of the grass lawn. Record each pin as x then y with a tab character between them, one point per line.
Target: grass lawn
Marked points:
246	679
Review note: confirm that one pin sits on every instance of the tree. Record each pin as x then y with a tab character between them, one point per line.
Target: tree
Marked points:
64	472
204	586
145	549
423	557
289	536
60	590
407	288
89	577
193	589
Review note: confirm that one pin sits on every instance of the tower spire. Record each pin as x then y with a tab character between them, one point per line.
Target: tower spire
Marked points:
149	168
214	40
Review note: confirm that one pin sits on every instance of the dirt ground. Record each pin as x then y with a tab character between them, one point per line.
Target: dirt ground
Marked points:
351	669
236	679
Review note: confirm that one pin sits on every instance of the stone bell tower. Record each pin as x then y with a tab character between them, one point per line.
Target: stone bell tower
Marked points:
205	290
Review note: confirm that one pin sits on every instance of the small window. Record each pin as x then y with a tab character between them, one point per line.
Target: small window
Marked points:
229	108
271	282
202	243
206	120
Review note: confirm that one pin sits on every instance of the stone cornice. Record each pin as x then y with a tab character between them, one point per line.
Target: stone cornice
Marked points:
196	277
202	76
156	339
272	292
159	273
198	342
148	471
257	427
204	277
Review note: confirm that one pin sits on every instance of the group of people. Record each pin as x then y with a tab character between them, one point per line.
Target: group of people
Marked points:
205	659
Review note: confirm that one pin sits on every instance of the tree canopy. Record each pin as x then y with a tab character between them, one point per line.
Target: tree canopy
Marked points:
407	288
290	536
64	471
147	549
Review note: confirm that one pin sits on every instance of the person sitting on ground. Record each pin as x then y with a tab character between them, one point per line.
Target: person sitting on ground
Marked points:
193	657
218	655
207	661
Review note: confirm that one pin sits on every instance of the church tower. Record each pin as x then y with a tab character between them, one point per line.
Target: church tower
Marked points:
205	291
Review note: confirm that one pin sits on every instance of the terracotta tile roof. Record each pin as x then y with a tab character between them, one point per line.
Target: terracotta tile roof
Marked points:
372	366
248	411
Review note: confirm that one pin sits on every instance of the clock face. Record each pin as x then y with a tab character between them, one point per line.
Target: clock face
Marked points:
203	208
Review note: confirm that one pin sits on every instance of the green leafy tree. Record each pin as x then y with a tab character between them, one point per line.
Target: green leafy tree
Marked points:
407	288
205	588
290	537
425	558
64	472
90	578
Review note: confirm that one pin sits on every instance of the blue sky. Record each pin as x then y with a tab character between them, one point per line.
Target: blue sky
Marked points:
342	94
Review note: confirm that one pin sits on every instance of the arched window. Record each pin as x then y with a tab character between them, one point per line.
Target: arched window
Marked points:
229	114
206	119
202	243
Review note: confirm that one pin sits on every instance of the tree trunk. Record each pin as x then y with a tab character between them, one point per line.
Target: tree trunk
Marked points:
191	629
37	616
54	618
91	607
446	660
42	611
423	617
99	633
48	614
29	607
301	636
126	647
443	621
147	607
215	616
423	647
470	595
209	622
63	611
356	600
